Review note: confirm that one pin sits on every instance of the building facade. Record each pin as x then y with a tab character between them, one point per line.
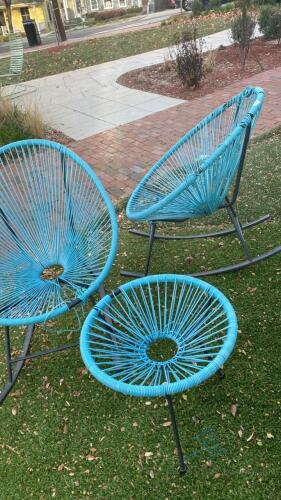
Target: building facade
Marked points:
79	8
24	11
41	11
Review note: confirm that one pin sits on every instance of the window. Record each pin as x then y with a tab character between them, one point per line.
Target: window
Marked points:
123	3
25	14
94	5
108	4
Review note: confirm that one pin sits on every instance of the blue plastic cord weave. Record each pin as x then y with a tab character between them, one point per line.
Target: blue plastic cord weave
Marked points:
193	177
53	211
118	332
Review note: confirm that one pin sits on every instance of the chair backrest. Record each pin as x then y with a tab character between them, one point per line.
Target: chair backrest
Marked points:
16	54
194	176
53	211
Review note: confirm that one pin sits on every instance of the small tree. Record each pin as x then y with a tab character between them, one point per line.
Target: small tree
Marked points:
189	57
58	20
7	4
242	29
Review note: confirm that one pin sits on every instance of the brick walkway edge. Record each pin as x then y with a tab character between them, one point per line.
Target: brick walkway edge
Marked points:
121	156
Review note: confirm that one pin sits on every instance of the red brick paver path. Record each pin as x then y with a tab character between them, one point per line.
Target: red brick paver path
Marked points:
120	157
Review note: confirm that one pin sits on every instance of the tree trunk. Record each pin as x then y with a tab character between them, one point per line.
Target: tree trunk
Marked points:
9	15
58	20
145	6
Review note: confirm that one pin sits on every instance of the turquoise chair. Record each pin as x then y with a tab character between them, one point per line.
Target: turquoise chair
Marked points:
158	336
199	176
58	240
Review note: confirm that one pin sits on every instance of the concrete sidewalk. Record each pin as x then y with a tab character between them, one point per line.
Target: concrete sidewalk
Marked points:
88	101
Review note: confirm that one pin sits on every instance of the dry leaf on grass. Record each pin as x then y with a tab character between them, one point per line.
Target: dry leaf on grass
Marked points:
233	409
250	437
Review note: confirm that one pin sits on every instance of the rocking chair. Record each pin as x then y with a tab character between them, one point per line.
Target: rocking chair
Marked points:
200	175
58	240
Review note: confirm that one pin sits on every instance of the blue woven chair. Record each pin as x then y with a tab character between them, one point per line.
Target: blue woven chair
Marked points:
200	175
11	67
127	338
58	238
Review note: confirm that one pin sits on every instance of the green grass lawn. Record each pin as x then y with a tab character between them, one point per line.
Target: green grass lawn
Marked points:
99	50
63	435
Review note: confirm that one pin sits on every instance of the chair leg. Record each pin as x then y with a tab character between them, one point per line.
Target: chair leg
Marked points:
150	245
107	318
12	373
8	354
182	464
149	253
238	228
102	291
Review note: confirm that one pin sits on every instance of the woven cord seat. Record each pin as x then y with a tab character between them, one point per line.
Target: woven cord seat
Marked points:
58	235
120	332
200	175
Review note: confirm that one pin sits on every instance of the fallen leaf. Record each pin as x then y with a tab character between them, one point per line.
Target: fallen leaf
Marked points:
14	411
217	475
184	396
240	433
250	437
15	394
151	473
167	424
269	435
233	409
65	429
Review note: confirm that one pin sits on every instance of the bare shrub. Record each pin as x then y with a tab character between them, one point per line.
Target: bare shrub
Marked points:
189	57
242	29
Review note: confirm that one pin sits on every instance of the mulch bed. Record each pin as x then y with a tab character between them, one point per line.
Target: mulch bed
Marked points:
163	79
